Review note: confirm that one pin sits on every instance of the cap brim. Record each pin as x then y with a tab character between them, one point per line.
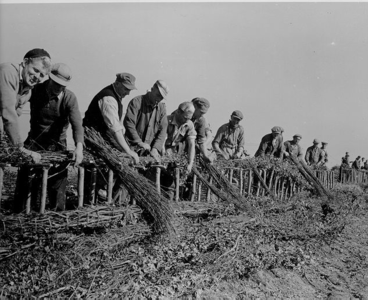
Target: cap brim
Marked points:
162	92
59	80
237	117
129	86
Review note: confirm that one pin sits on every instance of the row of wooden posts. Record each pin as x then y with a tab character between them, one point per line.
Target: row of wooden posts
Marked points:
243	179
353	176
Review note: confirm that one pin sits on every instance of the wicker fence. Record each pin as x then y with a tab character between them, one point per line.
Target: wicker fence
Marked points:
353	176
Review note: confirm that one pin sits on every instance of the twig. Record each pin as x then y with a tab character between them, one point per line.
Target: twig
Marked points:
233	248
93	280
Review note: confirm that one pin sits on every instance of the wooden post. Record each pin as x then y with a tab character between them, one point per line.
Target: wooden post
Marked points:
110	185
158	184
265	180
1	182
249	183
45	174
271	177
275	186
199	191
241	182
209	190
231	176
259	184
80	186
177	184
282	188
194	186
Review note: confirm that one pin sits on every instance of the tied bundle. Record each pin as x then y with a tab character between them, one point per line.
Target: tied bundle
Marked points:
139	187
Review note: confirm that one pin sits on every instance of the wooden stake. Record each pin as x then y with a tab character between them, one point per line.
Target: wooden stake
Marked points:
110	185
231	176
271	177
199	191
80	186
45	174
241	182
265	180
194	188
177	184
250	182
1	182
158	183
282	187
209	190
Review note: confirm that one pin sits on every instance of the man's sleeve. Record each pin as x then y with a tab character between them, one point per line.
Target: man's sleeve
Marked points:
307	154
201	131
75	119
191	133
110	113
130	122
8	100
262	147
161	134
301	152
241	140
218	136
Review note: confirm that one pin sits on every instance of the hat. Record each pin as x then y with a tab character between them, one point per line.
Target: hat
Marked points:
162	87
61	74
202	103
277	129
324	143
128	80
297	135
187	108
316	141
36	53
237	114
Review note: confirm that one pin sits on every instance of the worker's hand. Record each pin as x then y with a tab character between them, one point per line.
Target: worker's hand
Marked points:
154	153
78	155
237	154
207	159
135	156
225	155
189	167
286	154
36	157
145	146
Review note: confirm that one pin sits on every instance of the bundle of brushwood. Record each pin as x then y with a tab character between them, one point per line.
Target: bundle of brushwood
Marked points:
140	188
222	188
52	222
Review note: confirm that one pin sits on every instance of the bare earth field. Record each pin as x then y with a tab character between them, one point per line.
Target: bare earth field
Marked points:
291	249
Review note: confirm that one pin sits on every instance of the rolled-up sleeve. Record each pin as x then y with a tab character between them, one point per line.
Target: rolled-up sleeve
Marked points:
110	113
8	100
162	131
241	140
130	121
75	119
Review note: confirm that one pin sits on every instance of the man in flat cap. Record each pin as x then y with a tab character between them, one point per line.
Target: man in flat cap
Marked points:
105	112
146	121
314	154
201	106
293	147
356	163
53	108
325	153
229	140
16	84
181	133
272	144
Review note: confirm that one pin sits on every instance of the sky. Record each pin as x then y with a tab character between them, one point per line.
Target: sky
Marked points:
301	66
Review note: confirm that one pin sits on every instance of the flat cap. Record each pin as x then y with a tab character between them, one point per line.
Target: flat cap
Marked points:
128	80
297	135
316	141
202	103
324	143
237	114
277	129
162	87
37	52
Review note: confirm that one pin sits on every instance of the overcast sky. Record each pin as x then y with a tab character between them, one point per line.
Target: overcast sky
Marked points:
302	66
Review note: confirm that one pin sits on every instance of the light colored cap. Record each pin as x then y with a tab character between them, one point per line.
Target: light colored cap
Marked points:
162	87
61	74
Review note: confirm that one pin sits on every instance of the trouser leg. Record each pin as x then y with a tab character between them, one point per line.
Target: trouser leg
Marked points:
23	188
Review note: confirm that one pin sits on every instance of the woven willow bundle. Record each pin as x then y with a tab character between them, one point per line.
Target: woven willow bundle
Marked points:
52	222
139	187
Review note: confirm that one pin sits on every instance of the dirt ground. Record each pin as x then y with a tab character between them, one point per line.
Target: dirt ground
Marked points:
290	250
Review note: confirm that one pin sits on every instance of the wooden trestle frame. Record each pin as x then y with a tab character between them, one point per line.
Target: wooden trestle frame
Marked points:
244	179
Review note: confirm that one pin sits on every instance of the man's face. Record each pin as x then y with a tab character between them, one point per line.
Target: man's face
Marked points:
155	95
275	134
183	117
33	72
54	88
296	139
122	90
234	120
315	145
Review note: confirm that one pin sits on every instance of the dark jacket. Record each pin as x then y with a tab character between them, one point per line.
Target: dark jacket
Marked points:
271	146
